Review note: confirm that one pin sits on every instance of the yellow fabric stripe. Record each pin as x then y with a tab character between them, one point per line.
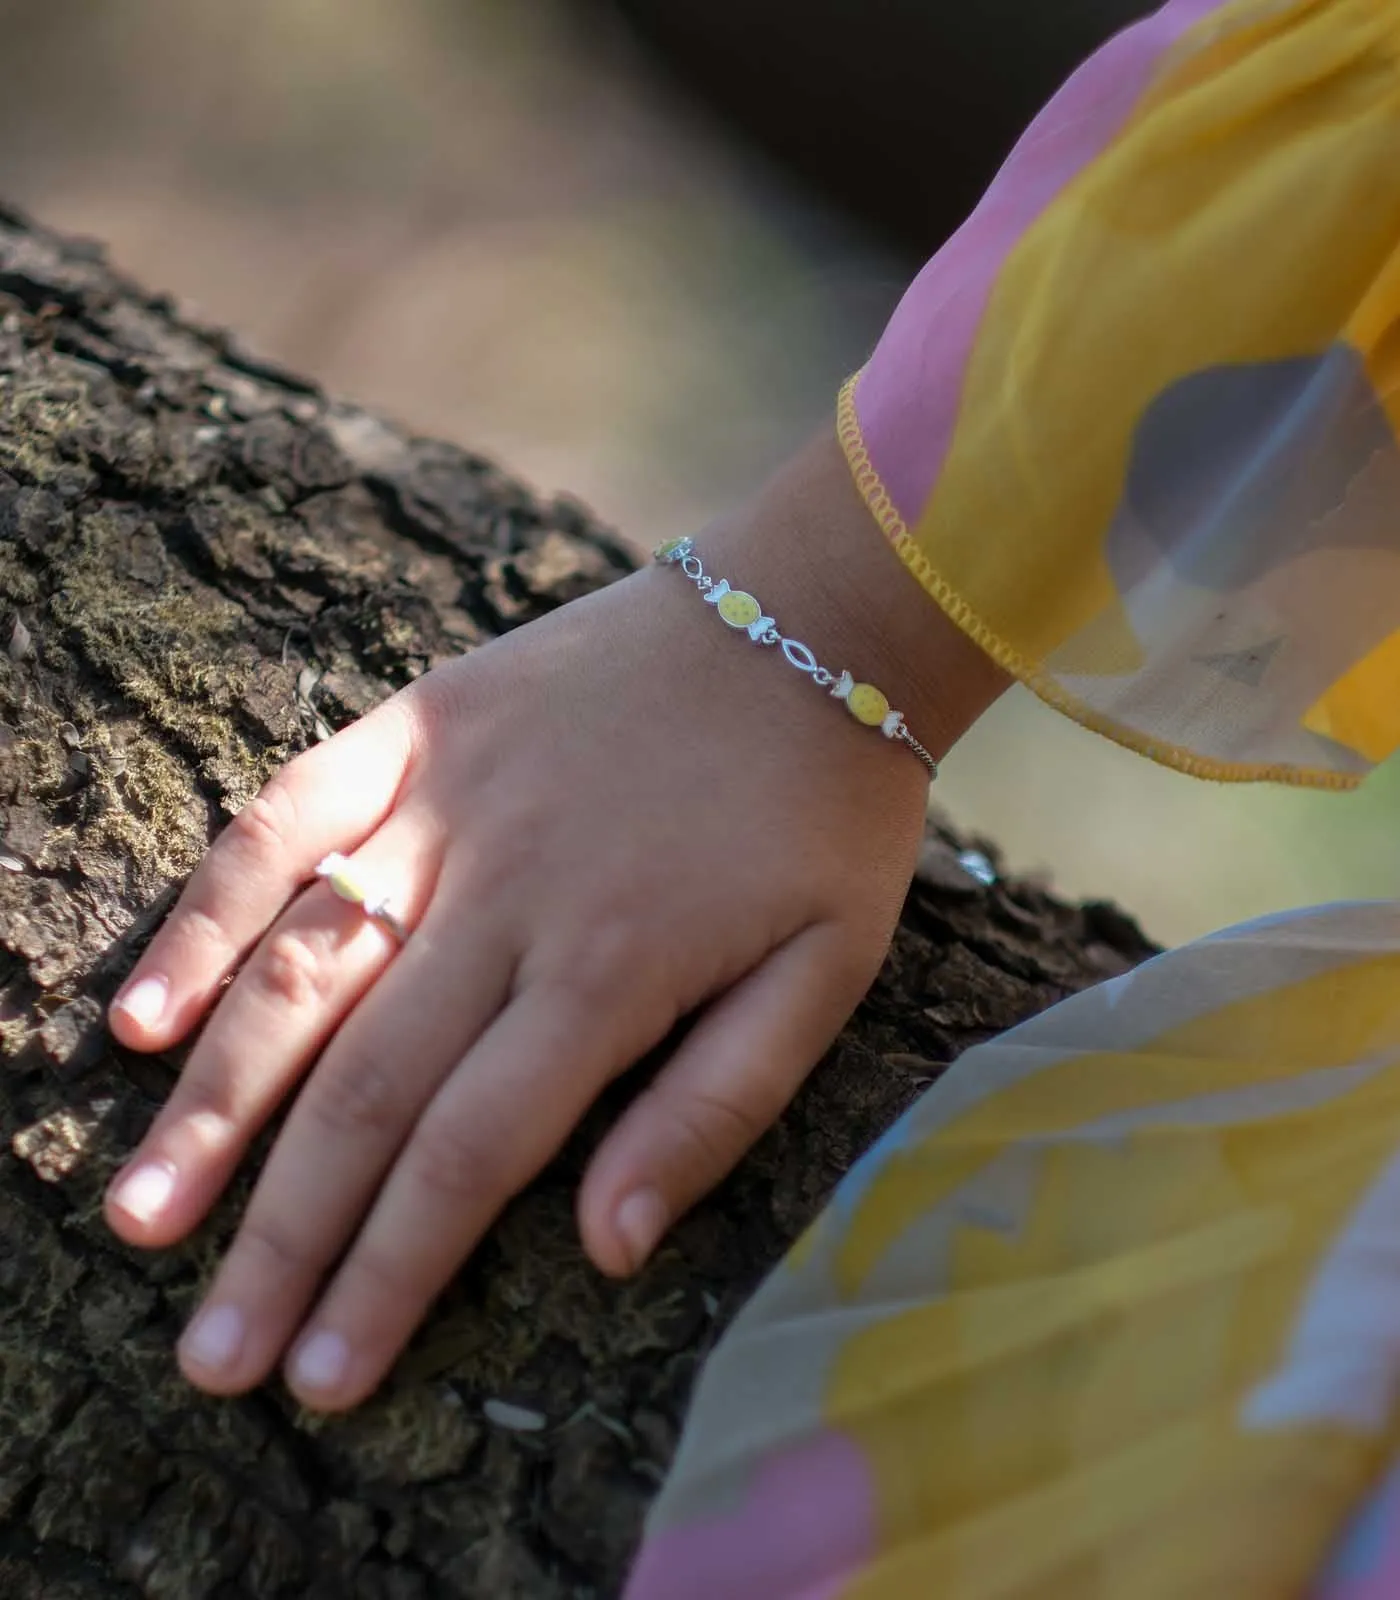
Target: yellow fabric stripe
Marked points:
1106	1532
1331	1019
1195	205
1074	1428
958	609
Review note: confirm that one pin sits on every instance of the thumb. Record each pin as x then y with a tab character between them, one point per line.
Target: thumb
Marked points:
727	1083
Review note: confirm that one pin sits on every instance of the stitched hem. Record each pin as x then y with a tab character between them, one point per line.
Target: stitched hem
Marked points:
1031	673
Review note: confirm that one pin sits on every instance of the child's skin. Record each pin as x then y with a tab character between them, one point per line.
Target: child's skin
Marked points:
595	825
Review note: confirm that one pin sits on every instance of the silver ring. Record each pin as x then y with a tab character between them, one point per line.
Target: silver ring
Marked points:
339	872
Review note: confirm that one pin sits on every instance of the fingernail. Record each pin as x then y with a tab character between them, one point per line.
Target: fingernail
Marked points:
321	1362
641	1220
145	1001
214	1338
145	1191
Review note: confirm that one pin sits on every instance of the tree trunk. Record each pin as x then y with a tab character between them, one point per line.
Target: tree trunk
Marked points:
204	564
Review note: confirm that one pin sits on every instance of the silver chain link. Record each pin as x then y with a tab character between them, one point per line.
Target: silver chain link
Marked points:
908	738
681	552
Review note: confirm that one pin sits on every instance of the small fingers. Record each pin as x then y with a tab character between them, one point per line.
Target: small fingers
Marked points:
730	1079
498	1119
361	1105
329	798
298	985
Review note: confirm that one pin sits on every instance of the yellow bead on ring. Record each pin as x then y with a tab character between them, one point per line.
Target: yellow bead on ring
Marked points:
340	874
866	704
348	887
662	551
738	609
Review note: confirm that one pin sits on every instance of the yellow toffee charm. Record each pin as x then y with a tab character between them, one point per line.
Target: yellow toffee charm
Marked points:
343	879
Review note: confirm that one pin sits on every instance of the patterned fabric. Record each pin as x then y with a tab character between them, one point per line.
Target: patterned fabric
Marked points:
1367	1563
1135	426
1114	1312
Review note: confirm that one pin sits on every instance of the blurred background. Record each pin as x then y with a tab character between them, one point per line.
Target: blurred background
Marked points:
630	248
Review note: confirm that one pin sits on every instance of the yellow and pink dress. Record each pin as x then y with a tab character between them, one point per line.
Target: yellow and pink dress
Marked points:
1114	1310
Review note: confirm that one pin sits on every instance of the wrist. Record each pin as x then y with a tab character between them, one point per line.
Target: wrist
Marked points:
809	549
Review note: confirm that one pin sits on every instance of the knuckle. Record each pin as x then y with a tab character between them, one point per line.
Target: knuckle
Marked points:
452	1163
362	1097
199	934
294	972
270	1245
428	710
502	856
387	1279
715	1128
266	825
608	959
207	1101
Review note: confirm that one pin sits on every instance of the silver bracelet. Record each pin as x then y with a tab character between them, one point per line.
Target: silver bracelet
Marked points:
741	611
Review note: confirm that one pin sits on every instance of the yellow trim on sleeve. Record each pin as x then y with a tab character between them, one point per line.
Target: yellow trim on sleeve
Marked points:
1031	673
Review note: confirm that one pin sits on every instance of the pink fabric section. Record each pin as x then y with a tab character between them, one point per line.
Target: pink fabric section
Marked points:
805	1526
908	396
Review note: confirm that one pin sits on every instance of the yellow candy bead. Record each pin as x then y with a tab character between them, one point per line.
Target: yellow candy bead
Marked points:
866	704
668	548
347	887
738	609
338	872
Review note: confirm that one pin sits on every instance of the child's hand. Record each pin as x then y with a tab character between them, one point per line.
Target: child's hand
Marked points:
592	827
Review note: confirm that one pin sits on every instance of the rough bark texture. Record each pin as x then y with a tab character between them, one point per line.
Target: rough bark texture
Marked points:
203	565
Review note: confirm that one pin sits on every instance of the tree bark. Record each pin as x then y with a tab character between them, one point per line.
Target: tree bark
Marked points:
204	564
